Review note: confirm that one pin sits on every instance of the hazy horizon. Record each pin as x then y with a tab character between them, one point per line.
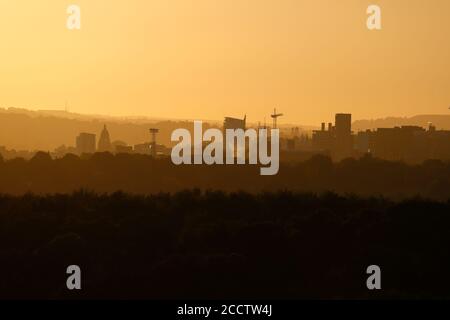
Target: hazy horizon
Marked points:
209	59
145	118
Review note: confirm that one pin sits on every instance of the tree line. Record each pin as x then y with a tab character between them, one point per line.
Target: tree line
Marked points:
141	174
198	245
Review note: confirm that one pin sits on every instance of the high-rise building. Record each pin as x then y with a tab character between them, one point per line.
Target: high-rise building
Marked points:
343	124
343	134
104	143
85	143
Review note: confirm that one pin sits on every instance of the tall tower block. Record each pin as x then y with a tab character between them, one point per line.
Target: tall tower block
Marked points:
153	132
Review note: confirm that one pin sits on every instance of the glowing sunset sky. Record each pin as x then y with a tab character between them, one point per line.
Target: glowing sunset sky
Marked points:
205	59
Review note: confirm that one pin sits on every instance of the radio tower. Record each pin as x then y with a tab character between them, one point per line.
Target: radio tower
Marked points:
275	116
153	131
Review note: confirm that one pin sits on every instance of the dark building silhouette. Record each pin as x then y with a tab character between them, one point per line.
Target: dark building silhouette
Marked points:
323	139
409	143
362	139
85	143
104	143
153	148
399	143
143	148
343	144
233	123
338	139
146	148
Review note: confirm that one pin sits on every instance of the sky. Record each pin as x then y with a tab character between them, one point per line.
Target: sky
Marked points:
206	59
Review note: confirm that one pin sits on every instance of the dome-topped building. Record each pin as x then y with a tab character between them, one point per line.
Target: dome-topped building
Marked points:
104	143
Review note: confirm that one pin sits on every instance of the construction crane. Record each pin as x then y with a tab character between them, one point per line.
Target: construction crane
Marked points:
153	132
275	116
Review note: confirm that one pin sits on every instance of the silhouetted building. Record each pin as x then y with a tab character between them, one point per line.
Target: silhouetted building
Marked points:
338	139
146	148
343	124
143	148
233	123
116	143
153	146
104	143
406	143
343	146
323	139
439	144
85	143
410	143
362	140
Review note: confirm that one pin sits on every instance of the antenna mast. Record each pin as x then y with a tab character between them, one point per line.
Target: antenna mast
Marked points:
275	116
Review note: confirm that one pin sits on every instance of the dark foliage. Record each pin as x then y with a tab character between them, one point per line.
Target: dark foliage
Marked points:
138	174
216	245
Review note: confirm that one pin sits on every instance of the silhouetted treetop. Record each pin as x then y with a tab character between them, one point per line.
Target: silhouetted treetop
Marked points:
140	174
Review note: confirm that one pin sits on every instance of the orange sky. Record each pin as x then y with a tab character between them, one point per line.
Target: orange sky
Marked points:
205	59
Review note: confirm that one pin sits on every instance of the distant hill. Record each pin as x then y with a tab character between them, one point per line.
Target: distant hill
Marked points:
45	130
440	121
22	129
78	116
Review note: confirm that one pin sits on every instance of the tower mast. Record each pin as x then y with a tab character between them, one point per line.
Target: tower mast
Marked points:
275	116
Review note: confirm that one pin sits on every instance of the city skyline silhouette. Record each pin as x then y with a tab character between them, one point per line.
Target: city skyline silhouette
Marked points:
223	153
